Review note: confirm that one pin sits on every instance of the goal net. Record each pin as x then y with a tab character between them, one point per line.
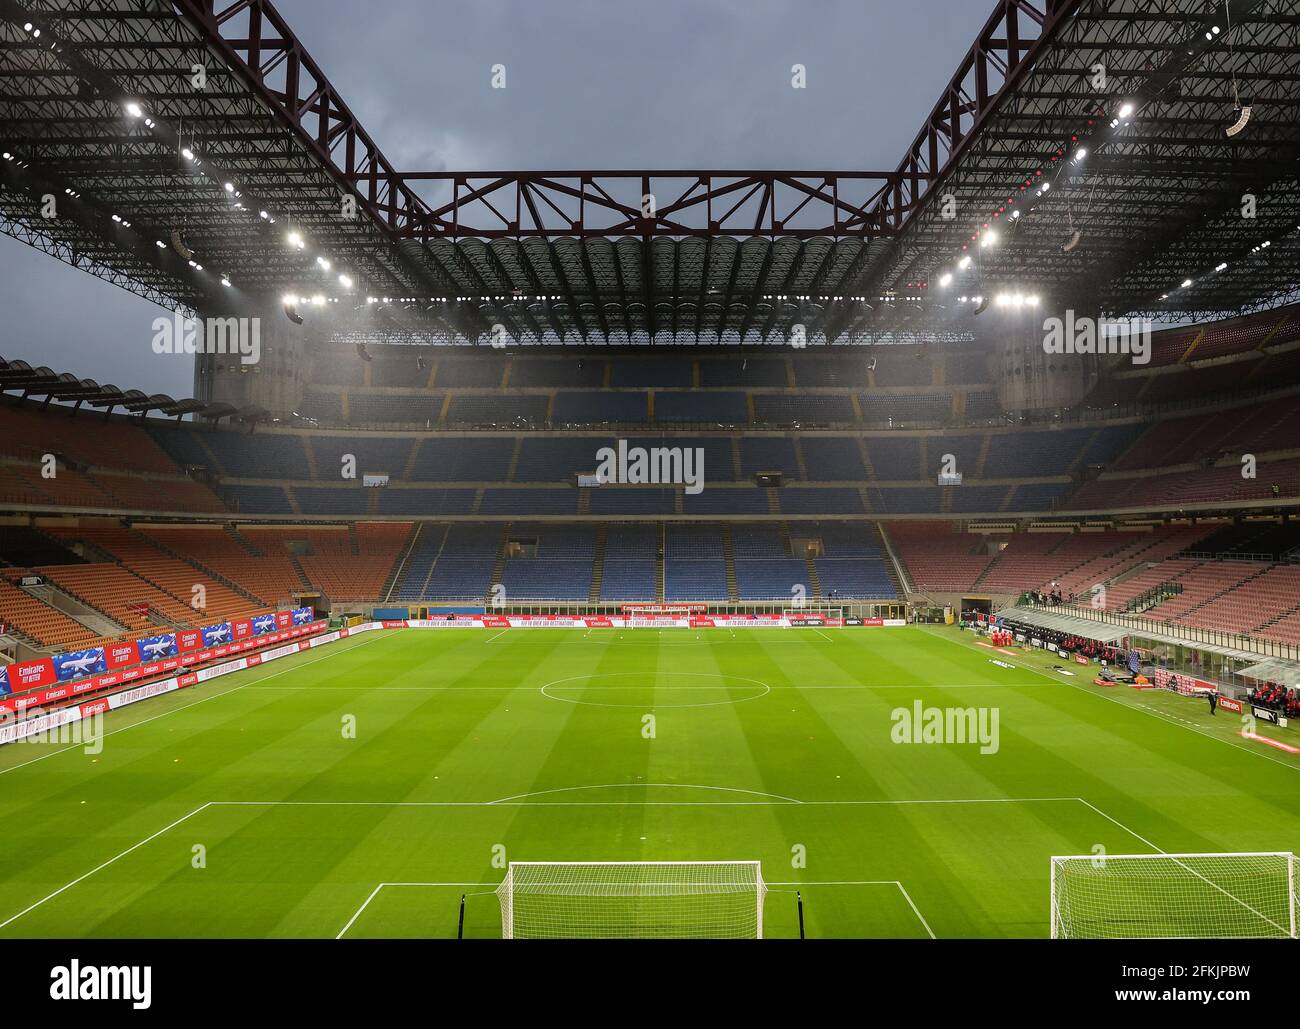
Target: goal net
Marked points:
813	616
717	900
1146	896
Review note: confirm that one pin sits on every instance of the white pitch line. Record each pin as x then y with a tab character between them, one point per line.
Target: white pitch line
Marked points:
357	914
186	707
802	883
506	801
907	897
375	892
522	801
1141	708
869	882
495	635
87	875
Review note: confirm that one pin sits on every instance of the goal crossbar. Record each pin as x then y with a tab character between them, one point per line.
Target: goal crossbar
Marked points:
1238	895
632	899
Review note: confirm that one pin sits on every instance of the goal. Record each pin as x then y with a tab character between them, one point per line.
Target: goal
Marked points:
717	900
813	616
1148	896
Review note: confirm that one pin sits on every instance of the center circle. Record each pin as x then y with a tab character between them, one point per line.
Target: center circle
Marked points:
710	689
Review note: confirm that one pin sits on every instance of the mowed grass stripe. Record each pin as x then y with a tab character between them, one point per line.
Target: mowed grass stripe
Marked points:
428	730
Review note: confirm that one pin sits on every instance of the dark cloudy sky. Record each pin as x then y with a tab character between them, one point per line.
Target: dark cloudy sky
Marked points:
603	84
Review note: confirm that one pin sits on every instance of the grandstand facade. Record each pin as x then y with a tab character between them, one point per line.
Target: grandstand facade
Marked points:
423	423
821	474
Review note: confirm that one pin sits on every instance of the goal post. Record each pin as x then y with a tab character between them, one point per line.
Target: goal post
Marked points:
1174	896
813	615
718	900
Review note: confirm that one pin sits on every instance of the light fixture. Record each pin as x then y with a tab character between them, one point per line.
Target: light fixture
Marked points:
989	238
323	263
187	153
345	281
1186	283
295	240
965	262
945	279
1126	111
133	109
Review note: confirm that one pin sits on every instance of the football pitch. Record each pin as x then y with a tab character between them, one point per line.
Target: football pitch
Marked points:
359	790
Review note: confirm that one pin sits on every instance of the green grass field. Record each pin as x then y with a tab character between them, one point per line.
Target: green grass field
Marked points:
772	745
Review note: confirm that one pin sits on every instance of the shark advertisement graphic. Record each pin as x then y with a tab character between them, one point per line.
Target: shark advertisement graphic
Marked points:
156	647
4	682
301	615
80	663
263	624
216	635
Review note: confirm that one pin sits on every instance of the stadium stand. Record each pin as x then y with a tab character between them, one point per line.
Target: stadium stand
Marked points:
557	562
631	563
46	626
202	596
225	554
938	558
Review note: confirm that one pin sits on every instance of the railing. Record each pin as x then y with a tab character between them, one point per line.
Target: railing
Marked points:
1190	635
852	607
1029	420
1150	598
1218	555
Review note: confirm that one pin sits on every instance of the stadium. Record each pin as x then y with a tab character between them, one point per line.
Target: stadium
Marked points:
689	553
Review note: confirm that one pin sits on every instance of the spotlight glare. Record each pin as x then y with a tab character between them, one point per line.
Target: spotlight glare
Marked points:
1126	111
945	279
345	281
133	109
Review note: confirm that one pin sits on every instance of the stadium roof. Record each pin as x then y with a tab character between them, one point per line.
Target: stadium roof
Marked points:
98	107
